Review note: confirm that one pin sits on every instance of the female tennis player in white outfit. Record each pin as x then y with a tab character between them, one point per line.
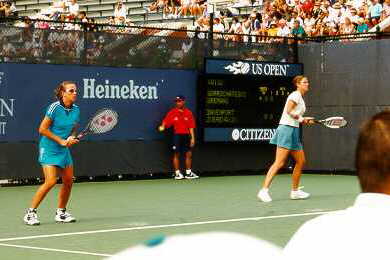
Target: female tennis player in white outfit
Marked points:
287	140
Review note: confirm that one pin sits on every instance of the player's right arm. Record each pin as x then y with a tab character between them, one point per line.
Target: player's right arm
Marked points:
304	120
44	129
290	108
72	139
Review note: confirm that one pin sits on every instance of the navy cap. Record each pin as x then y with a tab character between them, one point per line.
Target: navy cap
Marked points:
180	98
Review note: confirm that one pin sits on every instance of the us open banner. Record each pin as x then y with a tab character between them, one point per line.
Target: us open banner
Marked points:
140	96
252	68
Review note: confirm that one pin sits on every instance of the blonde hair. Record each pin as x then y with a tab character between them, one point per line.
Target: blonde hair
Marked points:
61	88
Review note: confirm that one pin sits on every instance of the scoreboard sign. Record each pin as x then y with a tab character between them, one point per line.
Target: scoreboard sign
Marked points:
242	101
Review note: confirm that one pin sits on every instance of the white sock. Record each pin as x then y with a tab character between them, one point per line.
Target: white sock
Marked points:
264	189
188	171
177	172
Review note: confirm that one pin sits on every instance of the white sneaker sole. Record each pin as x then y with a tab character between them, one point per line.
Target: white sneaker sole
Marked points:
65	221
263	200
32	224
299	198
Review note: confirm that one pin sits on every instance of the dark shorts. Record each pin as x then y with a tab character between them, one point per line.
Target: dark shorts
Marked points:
181	143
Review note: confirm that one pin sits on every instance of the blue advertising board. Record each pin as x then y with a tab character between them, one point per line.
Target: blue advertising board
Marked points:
140	96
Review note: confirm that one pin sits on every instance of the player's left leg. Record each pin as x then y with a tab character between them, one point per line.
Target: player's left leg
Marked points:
63	197
66	188
300	161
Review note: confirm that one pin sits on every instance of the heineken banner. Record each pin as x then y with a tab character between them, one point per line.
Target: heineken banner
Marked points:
140	96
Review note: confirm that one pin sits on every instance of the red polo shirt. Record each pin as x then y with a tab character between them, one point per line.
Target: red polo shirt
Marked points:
181	119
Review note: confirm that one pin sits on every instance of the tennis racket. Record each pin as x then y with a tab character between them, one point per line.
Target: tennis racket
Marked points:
102	121
333	122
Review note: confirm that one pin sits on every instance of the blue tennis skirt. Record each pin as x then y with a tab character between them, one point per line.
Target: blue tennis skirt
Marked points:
287	137
61	158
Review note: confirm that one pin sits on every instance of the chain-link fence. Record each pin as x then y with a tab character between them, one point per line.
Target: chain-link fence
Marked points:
129	46
39	41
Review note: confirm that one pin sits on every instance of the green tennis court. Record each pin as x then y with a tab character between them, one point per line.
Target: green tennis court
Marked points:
115	215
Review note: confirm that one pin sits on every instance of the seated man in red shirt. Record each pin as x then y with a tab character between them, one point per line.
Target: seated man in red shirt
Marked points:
183	123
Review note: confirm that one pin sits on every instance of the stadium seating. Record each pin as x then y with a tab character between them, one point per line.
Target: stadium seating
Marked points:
100	10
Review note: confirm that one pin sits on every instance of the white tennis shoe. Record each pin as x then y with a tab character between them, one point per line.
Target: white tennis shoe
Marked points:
31	218
191	175
264	196
179	176
299	194
63	216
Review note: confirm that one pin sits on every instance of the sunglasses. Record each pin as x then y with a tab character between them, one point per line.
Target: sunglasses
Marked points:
72	91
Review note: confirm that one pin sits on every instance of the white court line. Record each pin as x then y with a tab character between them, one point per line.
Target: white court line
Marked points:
55	250
164	226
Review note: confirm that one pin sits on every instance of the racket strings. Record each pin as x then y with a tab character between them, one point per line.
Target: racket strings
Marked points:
336	122
103	121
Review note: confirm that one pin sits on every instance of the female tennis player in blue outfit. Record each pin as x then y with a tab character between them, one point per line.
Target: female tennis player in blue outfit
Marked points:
287	140
58	133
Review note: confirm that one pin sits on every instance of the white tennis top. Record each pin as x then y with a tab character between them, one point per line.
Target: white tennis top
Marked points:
360	232
299	109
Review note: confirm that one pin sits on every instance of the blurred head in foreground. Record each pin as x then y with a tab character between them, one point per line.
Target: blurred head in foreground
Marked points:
373	154
210	245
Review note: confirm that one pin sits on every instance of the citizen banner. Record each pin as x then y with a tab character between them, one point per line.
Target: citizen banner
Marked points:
239	134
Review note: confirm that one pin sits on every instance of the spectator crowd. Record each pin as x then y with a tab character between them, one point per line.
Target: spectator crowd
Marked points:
7	9
298	18
293	18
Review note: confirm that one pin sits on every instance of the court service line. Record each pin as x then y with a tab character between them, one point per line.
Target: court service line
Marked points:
55	250
164	226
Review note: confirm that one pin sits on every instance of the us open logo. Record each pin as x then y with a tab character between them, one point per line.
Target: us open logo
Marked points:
238	68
